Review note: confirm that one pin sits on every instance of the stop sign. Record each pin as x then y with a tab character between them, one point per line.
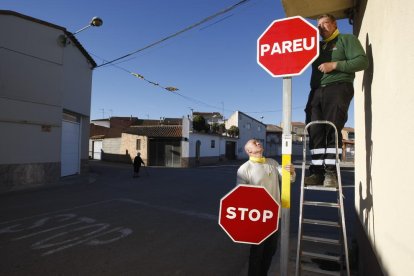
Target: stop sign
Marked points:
288	46
249	214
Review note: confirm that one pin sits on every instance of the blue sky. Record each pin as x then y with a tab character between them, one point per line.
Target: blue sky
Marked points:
213	65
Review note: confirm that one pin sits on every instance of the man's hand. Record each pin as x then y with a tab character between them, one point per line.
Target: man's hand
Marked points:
327	67
290	168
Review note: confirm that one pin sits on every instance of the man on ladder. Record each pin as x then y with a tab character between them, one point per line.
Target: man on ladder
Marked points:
333	73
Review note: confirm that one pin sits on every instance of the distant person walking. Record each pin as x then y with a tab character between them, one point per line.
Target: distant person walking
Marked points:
137	164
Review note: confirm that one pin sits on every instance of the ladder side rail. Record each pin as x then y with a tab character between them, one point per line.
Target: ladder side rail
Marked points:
342	214
340	195
302	185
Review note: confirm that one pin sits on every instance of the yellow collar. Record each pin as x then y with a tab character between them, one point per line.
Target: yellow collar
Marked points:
332	37
261	160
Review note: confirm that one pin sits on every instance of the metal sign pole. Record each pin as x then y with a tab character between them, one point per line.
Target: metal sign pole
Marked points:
286	159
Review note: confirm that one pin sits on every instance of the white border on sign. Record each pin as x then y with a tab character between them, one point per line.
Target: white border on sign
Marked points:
251	186
305	67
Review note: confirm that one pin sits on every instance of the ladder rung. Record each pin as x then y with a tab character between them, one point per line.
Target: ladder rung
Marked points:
321	256
320	271
322	204
321	240
321	222
321	188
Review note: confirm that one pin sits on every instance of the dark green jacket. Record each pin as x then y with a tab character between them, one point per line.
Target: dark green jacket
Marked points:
348	52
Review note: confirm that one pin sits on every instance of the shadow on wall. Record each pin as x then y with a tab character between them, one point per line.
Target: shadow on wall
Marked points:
121	158
366	203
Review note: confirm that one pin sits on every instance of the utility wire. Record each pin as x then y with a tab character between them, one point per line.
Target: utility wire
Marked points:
272	111
193	100
177	33
168	88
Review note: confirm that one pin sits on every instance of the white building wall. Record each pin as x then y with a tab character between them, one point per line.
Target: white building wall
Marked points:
39	79
30	77
249	128
77	81
185	143
112	145
205	150
384	101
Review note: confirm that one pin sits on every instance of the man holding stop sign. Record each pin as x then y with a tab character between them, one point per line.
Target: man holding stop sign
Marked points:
266	172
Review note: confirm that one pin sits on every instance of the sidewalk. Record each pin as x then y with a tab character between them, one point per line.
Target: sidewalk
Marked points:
275	267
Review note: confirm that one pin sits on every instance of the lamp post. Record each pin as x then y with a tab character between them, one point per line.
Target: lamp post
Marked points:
63	39
95	22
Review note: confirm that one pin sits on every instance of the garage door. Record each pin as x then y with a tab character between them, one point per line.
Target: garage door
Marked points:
97	148
70	148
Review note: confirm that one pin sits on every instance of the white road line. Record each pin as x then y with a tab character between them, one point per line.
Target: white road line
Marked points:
163	208
58	211
173	210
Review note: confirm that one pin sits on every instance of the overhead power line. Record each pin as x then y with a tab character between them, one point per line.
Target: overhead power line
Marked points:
177	33
190	99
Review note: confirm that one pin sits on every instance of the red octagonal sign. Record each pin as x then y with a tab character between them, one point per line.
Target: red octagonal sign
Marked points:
249	214
288	47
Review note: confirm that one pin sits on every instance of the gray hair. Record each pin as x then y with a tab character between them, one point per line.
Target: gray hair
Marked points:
330	16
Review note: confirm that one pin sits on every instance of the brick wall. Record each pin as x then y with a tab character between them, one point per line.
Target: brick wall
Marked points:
129	143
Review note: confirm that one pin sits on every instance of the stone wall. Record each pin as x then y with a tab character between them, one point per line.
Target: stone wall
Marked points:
15	177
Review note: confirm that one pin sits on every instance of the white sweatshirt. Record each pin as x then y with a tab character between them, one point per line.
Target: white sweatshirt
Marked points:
266	174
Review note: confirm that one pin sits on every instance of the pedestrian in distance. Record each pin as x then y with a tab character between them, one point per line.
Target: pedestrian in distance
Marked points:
137	164
266	172
333	73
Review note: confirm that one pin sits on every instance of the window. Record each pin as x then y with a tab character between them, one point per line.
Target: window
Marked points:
248	126
259	129
213	144
138	144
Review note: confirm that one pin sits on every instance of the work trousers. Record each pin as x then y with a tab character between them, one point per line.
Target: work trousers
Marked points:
261	256
329	103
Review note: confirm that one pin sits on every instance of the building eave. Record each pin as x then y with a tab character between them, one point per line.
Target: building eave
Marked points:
313	8
68	34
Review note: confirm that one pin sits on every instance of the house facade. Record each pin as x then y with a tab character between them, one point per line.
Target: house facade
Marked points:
199	148
45	102
348	144
383	97
105	138
249	128
273	140
158	145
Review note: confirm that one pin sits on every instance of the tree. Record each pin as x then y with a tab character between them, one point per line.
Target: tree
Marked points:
215	128
222	128
233	131
199	123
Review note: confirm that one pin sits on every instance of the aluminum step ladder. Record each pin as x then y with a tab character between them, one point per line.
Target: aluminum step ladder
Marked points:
313	247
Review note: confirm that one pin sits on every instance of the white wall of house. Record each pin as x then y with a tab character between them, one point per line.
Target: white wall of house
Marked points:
249	128
30	77
185	143
112	145
384	101
40	79
206	149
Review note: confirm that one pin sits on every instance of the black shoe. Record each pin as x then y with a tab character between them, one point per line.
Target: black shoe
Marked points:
314	180
331	180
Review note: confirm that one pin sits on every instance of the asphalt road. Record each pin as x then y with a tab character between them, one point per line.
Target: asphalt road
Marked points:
162	223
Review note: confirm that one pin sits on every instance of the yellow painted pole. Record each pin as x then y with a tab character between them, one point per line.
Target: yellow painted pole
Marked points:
286	159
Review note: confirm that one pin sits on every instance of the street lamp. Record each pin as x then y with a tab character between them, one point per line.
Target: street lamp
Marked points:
95	22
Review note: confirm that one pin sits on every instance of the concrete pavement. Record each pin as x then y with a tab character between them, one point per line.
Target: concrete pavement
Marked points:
275	269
